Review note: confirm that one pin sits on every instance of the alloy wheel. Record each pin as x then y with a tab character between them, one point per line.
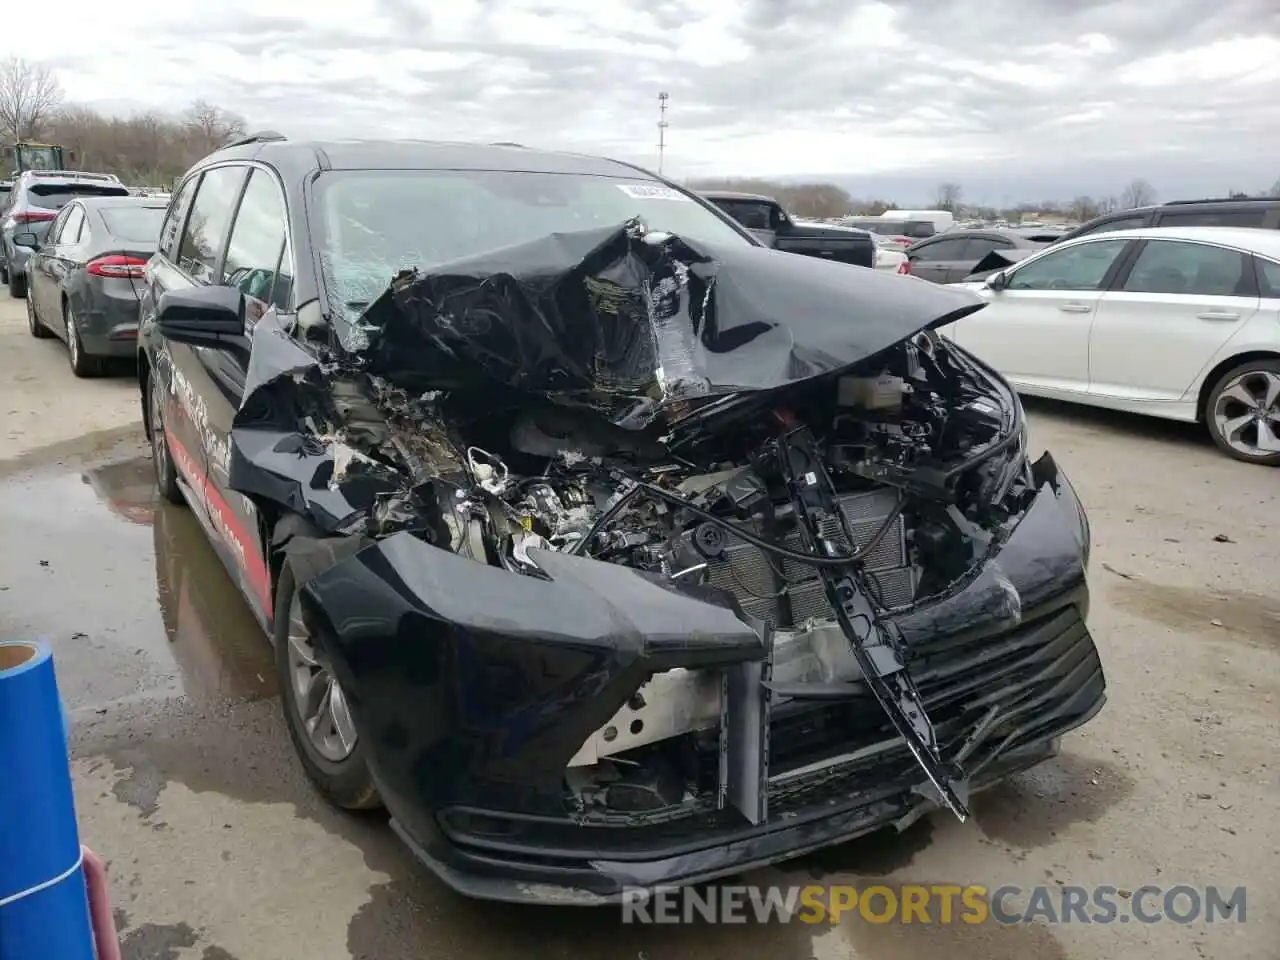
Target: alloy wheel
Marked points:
317	695
1247	413
73	339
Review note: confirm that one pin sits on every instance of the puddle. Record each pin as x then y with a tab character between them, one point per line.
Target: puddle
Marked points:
1245	617
127	591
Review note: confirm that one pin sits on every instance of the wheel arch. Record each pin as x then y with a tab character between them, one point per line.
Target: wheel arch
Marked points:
1211	378
144	384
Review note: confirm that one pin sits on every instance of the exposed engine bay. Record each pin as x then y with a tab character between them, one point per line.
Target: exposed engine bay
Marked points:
706	503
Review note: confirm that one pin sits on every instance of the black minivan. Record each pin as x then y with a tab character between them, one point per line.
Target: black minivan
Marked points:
1263	212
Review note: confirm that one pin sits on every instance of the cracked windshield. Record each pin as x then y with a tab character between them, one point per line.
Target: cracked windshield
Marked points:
378	223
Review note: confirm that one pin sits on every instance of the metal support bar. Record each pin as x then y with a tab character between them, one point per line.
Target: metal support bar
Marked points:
877	648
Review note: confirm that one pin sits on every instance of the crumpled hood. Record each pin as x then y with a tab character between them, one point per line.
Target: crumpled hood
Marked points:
624	322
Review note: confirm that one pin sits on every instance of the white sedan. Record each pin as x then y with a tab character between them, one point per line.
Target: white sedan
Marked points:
1182	323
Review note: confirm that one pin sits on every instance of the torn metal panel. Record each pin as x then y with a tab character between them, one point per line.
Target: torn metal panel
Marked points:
623	321
493	681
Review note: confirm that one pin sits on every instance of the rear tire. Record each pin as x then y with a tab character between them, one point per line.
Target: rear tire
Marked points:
342	777
161	456
82	364
38	329
1237	414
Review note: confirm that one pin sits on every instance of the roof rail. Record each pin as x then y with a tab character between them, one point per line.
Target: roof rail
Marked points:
1179	203
508	143
261	136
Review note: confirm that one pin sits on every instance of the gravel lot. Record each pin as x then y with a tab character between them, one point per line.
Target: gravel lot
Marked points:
218	850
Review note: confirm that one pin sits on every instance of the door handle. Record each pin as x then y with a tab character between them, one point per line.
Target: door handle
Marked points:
1218	315
1075	308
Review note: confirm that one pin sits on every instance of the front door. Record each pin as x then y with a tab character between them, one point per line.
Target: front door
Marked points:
259	263
191	244
38	277
1035	330
62	257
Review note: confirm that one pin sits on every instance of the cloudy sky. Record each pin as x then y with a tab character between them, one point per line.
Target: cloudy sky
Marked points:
1016	99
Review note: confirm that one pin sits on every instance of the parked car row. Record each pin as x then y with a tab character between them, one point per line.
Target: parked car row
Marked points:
32	203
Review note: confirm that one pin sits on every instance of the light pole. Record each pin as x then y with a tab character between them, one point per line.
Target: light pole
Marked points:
663	97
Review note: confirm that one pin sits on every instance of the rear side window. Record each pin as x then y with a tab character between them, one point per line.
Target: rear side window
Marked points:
55	196
171	229
750	213
1210	218
71	229
1123	223
210	219
1268	277
951	249
135	224
1169	266
975	248
257	239
919	229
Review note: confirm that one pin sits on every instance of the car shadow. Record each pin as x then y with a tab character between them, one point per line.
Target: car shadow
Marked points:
1120	423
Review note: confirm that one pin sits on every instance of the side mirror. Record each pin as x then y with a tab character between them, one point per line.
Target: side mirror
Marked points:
206	316
997	281
26	240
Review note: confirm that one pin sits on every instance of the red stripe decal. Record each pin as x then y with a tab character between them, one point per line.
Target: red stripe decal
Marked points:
244	546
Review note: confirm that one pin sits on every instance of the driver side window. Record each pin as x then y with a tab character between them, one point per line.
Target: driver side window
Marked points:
1082	267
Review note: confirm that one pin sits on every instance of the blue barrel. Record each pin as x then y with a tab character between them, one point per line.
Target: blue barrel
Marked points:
44	908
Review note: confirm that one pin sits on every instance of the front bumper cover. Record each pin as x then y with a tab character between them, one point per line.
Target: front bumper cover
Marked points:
475	687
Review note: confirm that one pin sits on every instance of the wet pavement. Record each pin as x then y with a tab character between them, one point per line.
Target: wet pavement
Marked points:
218	849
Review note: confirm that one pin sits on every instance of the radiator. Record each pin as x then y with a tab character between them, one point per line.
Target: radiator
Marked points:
786	593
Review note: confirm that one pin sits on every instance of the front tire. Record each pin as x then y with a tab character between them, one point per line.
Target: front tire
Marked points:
17	285
161	455
1243	412
316	710
38	329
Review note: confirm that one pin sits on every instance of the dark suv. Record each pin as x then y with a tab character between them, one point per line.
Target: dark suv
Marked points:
601	544
1261	212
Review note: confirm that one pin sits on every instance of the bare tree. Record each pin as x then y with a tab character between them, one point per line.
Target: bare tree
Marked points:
948	196
148	148
1083	208
211	127
1138	193
1275	189
29	94
873	208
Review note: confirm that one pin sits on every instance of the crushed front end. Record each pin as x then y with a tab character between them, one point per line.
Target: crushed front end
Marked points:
710	592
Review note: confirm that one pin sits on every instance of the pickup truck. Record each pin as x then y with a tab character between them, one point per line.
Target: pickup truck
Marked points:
765	218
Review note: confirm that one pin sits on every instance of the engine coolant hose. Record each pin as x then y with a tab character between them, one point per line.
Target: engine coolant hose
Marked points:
798	556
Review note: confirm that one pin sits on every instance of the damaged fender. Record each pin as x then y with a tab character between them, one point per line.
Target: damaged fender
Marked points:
476	687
